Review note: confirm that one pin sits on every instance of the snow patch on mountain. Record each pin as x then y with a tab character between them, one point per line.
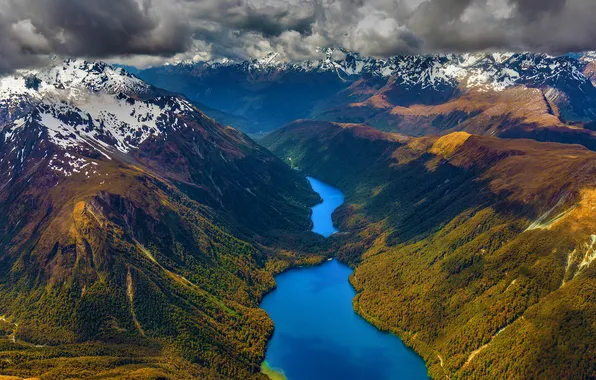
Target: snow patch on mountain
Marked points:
69	80
479	71
86	104
104	121
70	164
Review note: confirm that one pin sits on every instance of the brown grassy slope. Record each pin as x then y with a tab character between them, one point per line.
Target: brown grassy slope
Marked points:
477	251
518	112
146	267
486	113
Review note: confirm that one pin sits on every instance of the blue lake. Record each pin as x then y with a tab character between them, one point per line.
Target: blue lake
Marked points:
317	333
321	213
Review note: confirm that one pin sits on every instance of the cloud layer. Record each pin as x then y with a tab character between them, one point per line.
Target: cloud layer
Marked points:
150	30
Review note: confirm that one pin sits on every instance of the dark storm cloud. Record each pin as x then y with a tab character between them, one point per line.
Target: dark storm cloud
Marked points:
14	50
30	29
272	24
89	28
549	26
105	27
533	9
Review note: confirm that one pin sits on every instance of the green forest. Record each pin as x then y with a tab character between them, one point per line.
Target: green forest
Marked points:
448	255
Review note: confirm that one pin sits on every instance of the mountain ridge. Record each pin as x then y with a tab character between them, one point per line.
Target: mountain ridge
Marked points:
356	89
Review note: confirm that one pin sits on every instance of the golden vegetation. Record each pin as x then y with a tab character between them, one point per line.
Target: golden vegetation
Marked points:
447	145
154	269
444	258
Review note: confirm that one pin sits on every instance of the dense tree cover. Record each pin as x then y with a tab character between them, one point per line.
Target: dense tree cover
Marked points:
476	251
152	273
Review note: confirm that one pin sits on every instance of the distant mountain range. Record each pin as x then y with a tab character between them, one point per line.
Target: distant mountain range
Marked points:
415	95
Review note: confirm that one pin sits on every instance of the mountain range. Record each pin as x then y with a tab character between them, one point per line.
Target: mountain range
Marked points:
138	234
504	94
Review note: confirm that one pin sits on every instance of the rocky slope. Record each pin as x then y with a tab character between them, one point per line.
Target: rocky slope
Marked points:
477	251
137	234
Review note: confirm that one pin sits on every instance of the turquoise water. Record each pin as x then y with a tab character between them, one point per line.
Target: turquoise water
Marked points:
317	333
321	213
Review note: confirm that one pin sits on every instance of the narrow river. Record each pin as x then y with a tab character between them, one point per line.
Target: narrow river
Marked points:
317	333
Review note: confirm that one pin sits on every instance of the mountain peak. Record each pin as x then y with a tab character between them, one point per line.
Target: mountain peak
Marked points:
90	106
270	59
68	80
479	71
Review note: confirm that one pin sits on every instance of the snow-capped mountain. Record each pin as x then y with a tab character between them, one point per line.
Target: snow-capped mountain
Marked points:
484	71
67	80
82	120
79	123
85	108
270	92
115	197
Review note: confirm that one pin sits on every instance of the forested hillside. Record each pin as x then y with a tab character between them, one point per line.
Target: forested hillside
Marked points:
137	235
477	251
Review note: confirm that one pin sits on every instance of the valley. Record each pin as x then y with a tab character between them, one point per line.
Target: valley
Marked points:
474	250
317	333
140	238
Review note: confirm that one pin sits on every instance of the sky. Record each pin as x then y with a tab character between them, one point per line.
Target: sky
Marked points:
151	32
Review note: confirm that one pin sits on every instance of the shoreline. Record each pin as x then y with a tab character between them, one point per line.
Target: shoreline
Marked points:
278	374
272	373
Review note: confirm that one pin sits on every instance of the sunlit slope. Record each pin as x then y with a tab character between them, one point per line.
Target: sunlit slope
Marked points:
477	251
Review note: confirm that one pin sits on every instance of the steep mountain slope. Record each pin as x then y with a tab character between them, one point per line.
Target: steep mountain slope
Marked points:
137	234
509	95
477	251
